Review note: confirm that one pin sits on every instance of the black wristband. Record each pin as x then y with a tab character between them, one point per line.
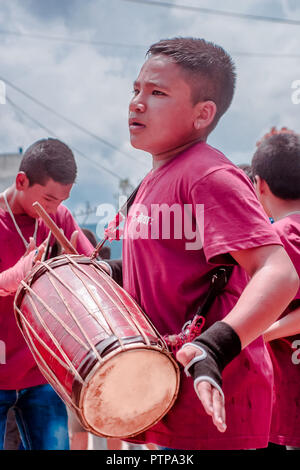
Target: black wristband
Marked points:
219	345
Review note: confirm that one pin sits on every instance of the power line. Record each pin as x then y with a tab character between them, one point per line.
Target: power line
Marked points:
69	121
50	133
268	55
20	110
144	47
210	11
71	40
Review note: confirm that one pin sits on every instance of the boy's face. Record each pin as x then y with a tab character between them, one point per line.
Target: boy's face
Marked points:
161	113
49	196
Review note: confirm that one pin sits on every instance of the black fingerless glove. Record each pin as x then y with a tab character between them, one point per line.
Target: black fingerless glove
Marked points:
219	344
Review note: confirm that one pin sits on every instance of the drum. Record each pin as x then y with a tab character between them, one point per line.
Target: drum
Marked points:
96	347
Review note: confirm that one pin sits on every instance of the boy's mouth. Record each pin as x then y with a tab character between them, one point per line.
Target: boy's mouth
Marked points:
134	124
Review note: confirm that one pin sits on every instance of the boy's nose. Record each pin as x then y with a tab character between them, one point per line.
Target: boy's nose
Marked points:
137	106
140	107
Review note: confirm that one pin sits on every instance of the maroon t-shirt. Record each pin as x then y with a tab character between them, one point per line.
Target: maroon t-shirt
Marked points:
167	271
285	425
18	368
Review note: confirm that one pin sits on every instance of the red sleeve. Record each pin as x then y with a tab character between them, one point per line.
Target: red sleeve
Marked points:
232	217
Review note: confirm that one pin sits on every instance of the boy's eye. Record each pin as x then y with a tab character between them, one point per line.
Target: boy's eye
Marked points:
157	92
135	91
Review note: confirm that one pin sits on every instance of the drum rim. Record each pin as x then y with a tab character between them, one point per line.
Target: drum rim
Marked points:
107	349
112	355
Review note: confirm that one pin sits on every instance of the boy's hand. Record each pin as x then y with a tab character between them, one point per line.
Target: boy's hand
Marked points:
31	246
74	238
37	255
204	360
209	396
73	241
11	278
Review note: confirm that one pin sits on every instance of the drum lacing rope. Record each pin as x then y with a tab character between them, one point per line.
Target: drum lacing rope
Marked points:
189	331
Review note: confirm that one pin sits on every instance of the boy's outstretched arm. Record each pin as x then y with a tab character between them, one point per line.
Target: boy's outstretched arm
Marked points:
274	283
286	326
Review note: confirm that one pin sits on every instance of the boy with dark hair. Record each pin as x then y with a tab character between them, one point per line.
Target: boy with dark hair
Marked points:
182	90
206	67
47	173
276	169
49	159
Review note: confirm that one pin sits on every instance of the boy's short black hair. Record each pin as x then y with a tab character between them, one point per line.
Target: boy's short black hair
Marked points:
208	68
277	161
247	169
49	159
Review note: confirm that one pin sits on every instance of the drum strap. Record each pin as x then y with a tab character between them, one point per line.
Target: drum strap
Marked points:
193	328
125	208
112	232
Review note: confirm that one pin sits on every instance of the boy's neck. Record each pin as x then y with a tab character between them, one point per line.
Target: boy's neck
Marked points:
285	207
162	158
12	199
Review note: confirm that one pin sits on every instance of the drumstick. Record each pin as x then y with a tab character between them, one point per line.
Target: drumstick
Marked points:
116	223
98	247
117	220
46	252
60	237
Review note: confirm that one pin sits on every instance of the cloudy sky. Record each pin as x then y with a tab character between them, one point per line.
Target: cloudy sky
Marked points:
80	57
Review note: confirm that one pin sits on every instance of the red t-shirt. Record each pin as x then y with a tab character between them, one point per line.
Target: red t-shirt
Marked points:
169	279
285	424
20	369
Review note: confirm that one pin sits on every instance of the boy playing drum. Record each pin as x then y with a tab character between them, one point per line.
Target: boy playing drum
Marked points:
182	90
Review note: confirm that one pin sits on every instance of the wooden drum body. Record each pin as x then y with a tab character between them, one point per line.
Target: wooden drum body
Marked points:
96	347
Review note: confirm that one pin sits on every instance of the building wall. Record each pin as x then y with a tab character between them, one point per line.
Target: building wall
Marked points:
9	165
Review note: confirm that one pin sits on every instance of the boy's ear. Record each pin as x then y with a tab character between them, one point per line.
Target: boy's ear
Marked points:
205	112
261	186
22	182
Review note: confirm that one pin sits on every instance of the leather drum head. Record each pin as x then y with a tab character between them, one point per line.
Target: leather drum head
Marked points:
129	393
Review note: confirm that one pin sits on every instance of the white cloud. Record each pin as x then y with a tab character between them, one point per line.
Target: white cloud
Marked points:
92	85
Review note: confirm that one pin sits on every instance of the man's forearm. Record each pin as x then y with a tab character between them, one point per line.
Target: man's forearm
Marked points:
286	326
266	296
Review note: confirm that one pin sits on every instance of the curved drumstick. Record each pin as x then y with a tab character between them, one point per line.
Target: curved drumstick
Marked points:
117	220
113	225
60	237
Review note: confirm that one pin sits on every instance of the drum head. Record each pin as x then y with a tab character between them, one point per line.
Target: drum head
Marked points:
129	393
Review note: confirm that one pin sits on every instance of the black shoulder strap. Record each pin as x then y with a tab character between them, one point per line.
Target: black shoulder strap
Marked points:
218	281
126	206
